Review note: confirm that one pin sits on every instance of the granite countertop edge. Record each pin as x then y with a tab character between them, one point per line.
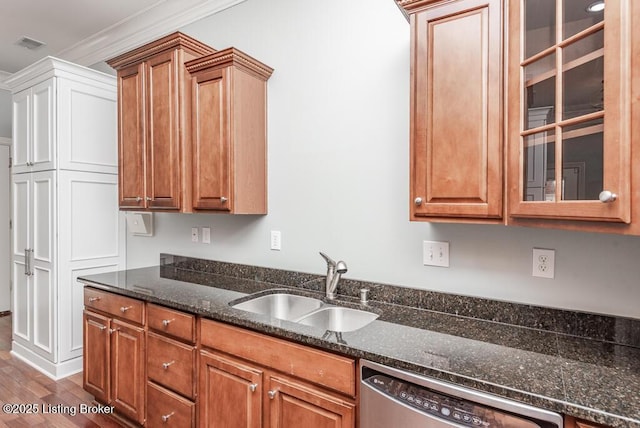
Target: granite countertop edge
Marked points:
253	322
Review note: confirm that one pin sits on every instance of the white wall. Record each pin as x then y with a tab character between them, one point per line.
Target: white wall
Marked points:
5	113
338	172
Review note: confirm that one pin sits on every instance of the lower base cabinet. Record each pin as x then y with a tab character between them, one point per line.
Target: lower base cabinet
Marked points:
231	392
167	409
250	380
114	349
295	404
156	370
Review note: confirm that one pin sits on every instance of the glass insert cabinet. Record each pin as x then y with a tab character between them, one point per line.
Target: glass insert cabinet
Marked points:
569	110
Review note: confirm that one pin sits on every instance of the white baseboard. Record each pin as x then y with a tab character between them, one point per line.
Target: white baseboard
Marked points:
52	370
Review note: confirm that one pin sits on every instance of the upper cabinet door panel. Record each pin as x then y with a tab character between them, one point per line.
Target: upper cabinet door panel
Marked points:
87	127
569	115
456	139
211	152
43	150
22	131
131	141
163	138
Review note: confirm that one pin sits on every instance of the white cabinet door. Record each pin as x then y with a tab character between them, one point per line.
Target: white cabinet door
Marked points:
34	274
44	127
21	191
22	131
34	128
93	231
87	127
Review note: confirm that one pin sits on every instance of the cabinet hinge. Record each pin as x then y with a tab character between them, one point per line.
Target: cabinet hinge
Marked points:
10	161
10	224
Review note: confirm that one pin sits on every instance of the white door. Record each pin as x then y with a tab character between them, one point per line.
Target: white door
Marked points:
5	212
34	292
34	128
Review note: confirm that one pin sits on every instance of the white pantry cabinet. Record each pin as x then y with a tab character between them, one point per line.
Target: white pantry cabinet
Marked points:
65	214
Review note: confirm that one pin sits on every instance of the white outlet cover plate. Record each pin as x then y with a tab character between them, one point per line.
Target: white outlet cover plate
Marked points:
435	253
543	263
194	234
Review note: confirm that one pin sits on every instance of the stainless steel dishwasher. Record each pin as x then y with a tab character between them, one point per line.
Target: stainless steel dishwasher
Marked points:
391	398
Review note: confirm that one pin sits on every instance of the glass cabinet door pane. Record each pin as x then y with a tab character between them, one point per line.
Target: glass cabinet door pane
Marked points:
579	15
583	76
539	165
582	160
540	26
540	90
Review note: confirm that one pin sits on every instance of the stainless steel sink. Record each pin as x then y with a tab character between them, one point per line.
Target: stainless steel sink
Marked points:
283	306
339	319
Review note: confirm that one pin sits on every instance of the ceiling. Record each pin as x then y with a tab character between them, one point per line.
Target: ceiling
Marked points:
88	32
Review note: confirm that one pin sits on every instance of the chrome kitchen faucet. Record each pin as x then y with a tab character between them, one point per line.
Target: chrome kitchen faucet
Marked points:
334	272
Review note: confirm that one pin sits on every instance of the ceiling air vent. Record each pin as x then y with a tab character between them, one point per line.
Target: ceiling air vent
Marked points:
29	43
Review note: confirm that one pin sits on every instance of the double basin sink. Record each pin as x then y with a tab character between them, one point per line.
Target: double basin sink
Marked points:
306	310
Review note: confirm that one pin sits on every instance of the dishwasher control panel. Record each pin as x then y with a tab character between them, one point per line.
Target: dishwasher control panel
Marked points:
443	406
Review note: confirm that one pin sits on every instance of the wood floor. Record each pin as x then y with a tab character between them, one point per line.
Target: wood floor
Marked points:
22	384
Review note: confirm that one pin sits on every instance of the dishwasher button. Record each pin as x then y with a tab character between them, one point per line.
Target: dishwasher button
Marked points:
445	411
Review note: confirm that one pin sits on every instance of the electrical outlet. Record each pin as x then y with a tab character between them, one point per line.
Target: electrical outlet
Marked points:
435	253
544	263
206	235
194	234
276	240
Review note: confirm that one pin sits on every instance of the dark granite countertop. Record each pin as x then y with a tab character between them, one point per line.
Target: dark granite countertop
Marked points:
590	379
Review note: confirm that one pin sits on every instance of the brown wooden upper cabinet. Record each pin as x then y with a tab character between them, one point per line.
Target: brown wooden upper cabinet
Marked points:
456	110
569	98
521	112
154	113
229	132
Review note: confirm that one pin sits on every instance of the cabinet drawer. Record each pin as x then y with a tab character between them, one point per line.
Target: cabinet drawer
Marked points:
171	322
171	364
115	305
319	367
166	409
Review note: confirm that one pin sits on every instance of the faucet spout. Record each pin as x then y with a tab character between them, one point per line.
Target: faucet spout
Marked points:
334	272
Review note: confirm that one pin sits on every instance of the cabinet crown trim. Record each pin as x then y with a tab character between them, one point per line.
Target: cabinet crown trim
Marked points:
54	67
175	40
228	57
412	6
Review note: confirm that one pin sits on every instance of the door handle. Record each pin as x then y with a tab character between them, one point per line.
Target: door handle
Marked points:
28	261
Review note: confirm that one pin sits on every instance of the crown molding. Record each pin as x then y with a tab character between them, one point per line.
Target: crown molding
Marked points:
48	67
141	28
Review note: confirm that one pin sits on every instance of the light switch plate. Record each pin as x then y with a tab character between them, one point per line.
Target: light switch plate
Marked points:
276	240
206	235
435	253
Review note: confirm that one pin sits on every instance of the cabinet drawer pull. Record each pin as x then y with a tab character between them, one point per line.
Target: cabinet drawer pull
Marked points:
606	196
223	199
253	387
165	418
148	198
124	309
93	299
166	365
167	322
272	394
113	330
138	199
417	201
102	327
